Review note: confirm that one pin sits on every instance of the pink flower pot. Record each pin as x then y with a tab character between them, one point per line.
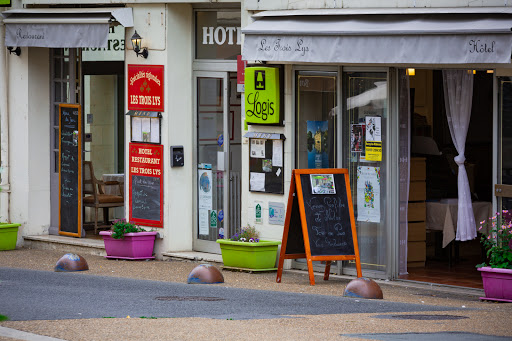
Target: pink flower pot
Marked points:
137	245
497	284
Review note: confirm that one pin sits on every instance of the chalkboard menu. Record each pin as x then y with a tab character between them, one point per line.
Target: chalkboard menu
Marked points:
145	197
70	170
146	183
319	223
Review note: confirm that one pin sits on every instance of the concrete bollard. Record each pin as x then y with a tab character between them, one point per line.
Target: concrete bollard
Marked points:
71	262
205	274
363	288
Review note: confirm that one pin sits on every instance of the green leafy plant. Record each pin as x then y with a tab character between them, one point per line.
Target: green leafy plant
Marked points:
498	240
247	234
121	226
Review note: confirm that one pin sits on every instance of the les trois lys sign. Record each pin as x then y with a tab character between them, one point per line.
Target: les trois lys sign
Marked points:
262	95
146	87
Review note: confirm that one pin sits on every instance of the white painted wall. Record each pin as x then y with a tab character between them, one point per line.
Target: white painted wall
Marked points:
180	127
167	32
29	130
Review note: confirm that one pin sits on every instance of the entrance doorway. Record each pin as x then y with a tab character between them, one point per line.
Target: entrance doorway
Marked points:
218	108
433	253
97	86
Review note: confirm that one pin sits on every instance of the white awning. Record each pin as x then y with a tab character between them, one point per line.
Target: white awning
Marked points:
381	39
63	27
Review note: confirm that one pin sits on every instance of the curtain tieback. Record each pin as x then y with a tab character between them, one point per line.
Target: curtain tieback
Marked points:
459	159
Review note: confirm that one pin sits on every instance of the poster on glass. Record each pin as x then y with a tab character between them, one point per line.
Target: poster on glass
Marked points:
368	194
317	134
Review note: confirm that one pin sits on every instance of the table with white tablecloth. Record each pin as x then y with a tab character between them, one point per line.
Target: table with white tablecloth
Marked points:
442	216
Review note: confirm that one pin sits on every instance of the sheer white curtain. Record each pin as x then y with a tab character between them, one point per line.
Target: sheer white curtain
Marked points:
458	95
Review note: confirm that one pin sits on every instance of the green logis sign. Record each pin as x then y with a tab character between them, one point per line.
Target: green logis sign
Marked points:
5	3
262	95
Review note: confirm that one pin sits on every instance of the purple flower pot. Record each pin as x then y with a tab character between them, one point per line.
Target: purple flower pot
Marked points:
138	245
497	284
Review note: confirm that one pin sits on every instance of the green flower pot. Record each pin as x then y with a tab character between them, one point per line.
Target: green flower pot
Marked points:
259	256
8	236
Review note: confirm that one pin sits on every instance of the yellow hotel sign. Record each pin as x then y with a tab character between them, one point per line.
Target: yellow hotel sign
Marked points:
262	95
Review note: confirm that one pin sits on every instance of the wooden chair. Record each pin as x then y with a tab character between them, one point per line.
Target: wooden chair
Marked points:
94	194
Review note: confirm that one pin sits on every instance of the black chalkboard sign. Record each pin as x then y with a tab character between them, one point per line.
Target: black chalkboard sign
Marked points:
70	170
319	223
145	197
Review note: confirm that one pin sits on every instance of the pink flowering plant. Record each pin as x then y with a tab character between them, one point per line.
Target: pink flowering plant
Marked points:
247	234
498	240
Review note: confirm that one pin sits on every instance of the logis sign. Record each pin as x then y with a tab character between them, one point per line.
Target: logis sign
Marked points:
262	95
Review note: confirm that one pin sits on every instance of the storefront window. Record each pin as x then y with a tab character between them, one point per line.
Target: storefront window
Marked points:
218	35
364	144
316	119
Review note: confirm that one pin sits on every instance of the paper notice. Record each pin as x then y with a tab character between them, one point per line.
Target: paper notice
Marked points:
277	153
258	148
257	182
204	219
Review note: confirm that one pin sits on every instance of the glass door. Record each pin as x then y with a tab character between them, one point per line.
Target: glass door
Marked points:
213	136
365	121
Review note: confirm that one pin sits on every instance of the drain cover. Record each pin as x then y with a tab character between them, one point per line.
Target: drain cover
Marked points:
423	317
188	298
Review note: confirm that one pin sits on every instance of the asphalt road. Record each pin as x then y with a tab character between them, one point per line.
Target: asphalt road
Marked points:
44	295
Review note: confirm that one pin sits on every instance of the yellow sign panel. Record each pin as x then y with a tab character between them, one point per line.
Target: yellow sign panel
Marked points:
262	95
5	3
373	150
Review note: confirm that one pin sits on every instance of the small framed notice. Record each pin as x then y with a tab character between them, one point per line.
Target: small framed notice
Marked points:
322	184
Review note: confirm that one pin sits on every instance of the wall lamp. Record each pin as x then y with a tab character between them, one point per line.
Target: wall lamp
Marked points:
136	43
16	51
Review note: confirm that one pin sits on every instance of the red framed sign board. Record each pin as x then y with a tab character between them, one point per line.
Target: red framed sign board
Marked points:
146	87
146	184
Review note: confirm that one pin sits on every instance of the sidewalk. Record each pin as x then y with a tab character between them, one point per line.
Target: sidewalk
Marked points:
474	315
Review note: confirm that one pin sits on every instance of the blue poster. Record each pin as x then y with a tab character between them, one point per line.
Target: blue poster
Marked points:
317	134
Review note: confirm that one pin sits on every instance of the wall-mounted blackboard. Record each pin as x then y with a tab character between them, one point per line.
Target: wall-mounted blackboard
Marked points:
319	223
145	197
70	170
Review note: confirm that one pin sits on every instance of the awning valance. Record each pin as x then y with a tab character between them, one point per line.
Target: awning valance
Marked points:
63	27
381	39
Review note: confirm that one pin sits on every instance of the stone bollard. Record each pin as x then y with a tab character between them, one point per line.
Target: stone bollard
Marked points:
205	274
363	288
71	262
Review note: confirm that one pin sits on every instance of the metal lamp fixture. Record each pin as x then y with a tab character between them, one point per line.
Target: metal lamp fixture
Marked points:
136	43
16	51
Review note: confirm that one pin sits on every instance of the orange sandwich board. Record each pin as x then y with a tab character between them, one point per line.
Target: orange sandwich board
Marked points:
319	223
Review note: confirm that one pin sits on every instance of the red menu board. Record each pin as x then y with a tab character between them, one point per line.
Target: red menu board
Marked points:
146	184
146	87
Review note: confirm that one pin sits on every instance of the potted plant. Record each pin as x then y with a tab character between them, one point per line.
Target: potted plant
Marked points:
497	275
127	241
8	236
245	250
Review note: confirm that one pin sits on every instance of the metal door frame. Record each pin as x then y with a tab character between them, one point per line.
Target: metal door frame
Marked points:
198	244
